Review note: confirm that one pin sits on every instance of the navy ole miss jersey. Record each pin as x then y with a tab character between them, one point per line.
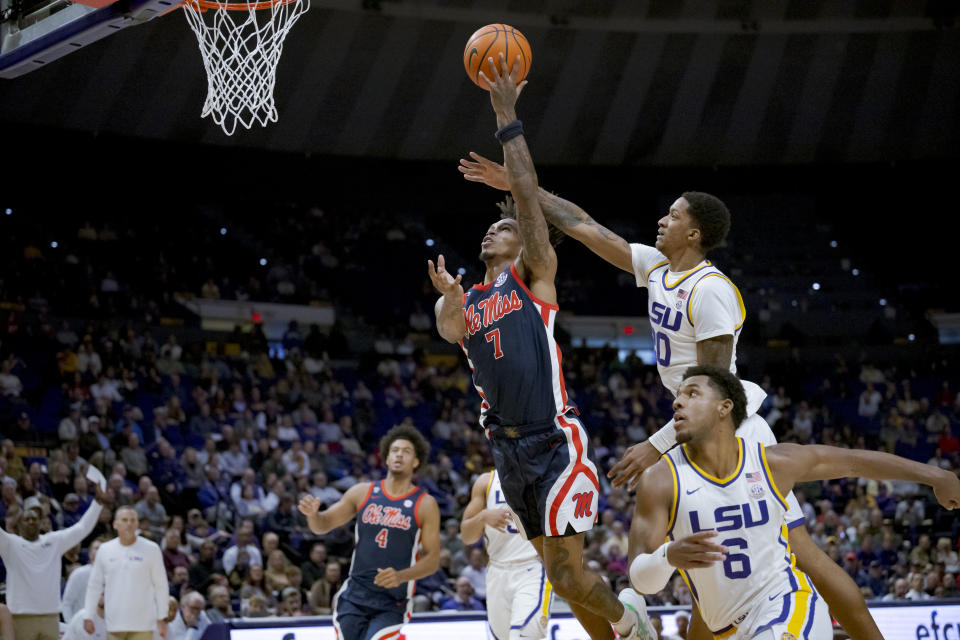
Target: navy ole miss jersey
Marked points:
510	348
387	534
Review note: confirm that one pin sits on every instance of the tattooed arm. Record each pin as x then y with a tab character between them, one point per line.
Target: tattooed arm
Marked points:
565	215
538	259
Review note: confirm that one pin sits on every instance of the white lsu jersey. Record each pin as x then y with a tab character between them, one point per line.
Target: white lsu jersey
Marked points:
747	510
686	308
510	546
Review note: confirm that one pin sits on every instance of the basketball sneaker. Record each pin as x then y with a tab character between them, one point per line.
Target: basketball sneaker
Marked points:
642	630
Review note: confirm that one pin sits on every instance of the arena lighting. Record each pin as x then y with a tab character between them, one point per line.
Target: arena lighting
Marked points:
429	242
883	302
461	271
911	337
53	245
833	244
263	262
9	211
223	231
816	286
855	272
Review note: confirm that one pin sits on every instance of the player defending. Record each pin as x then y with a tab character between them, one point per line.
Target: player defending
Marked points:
719	501
696	315
540	448
518	592
397	540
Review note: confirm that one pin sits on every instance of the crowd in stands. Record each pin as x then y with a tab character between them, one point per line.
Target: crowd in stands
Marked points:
213	445
213	452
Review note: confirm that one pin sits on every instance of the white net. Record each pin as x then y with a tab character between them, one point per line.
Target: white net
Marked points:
241	49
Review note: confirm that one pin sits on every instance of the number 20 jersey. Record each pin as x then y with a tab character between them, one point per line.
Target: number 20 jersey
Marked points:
511	351
747	511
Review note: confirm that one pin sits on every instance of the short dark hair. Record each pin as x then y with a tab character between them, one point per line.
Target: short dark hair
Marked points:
508	209
406	432
709	215
727	385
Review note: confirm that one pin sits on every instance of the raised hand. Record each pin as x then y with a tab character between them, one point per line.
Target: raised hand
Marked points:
504	89
696	551
443	281
486	171
309	505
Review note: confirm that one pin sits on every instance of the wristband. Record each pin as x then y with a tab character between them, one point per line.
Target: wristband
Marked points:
650	572
664	439
509	131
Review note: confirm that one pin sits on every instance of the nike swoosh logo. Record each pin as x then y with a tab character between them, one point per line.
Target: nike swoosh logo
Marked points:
694	491
653	280
772	598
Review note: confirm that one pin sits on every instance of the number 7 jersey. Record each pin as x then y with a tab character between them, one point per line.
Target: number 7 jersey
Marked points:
511	351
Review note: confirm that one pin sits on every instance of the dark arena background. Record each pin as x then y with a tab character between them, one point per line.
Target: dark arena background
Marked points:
256	308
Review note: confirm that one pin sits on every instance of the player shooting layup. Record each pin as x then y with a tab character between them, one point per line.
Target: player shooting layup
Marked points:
540	448
696	315
397	541
518	592
718	501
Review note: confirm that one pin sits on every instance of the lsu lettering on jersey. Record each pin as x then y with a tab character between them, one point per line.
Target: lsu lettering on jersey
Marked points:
684	309
759	578
387	534
511	546
511	351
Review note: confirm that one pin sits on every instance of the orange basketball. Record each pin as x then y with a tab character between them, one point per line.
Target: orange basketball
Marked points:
489	42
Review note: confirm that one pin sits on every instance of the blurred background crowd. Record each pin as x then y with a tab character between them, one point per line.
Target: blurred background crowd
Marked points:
213	435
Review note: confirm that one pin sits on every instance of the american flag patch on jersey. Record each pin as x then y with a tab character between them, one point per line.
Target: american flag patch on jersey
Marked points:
754	476
682	294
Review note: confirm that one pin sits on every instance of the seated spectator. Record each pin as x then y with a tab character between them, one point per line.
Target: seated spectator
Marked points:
257	607
253	585
245	542
73	425
202	571
296	460
946	556
327	494
900	589
291	603
323	590
191	620
476	572
173	557
463	599
315	566
234	461
134	457
275	575
179	581
152	513
917	583
219	609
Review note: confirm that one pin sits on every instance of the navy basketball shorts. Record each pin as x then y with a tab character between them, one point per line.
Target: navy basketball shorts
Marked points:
547	476
358	617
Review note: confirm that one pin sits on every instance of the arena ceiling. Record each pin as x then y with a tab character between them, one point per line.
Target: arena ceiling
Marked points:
654	82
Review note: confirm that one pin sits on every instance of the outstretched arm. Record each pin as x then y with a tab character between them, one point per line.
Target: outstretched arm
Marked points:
538	257
563	214
338	515
792	463
449	308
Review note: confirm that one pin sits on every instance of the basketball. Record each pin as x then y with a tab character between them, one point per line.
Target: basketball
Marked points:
489	42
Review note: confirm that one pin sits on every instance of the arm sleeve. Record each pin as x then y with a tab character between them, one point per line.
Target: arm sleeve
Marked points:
72	597
715	308
161	588
95	584
74	535
4	541
644	258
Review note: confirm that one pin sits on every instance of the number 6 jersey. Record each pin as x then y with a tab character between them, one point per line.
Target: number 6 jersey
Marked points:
747	511
511	351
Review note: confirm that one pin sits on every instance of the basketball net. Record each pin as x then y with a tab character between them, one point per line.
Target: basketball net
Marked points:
241	50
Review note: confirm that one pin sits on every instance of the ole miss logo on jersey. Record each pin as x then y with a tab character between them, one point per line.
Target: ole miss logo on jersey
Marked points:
491	309
377	514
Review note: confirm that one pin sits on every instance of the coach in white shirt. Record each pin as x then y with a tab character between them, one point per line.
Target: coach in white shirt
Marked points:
129	573
33	569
